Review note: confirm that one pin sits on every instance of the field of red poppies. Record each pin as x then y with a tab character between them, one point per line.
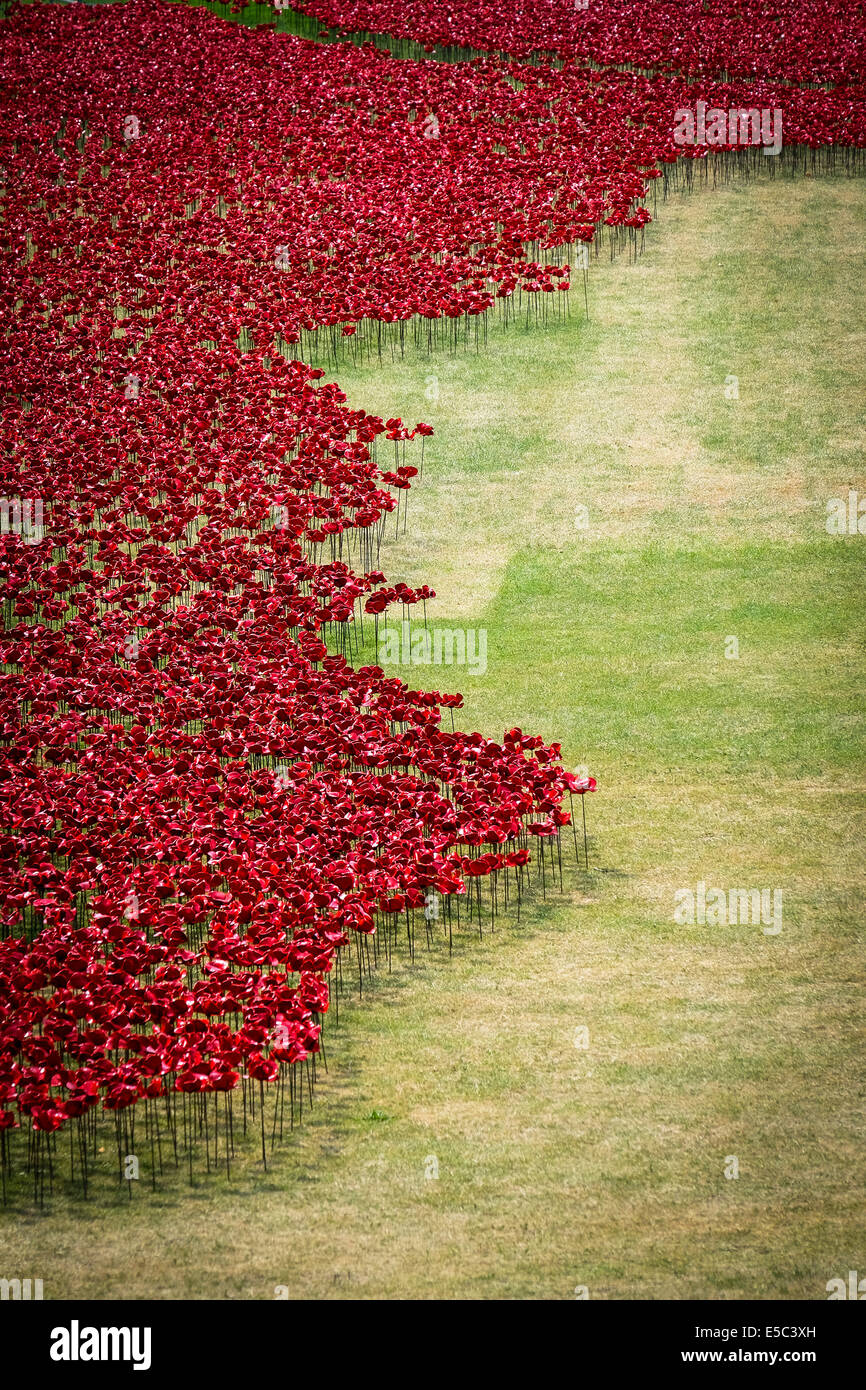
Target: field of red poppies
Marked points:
212	810
810	41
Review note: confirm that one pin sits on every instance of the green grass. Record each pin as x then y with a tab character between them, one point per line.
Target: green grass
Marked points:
604	1166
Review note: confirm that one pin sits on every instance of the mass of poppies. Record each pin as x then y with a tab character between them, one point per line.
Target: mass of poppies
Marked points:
212	808
799	40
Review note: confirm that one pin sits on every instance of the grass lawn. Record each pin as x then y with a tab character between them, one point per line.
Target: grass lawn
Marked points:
604	1166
